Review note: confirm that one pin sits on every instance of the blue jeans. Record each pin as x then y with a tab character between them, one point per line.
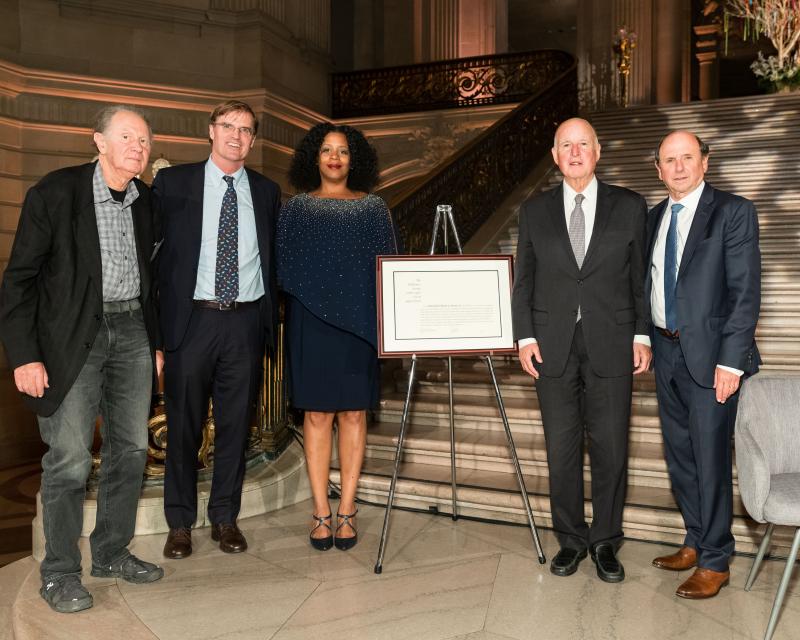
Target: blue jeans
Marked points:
115	383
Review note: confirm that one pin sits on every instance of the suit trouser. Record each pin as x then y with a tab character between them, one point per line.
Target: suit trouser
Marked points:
220	357
697	441
576	401
116	382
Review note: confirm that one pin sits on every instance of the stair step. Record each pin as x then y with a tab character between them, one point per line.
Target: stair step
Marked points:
765	129
479	413
488	450
650	512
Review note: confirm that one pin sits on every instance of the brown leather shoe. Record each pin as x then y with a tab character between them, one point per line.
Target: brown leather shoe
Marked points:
178	544
230	538
684	558
703	583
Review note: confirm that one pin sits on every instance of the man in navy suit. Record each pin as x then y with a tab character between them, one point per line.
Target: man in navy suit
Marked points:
704	288
217	291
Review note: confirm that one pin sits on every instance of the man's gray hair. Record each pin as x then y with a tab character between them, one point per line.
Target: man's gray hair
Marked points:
591	126
103	118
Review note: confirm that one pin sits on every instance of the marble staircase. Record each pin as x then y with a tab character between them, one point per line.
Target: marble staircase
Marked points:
755	151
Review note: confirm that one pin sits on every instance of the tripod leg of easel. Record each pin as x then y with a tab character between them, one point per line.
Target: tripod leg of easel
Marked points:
452	439
513	450
398	454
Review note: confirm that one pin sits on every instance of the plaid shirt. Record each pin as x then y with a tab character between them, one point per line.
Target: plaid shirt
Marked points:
117	242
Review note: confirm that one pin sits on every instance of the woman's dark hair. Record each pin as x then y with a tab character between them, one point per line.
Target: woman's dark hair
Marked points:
304	172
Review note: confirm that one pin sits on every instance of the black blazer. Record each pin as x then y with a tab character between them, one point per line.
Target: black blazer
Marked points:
178	199
609	288
51	302
718	291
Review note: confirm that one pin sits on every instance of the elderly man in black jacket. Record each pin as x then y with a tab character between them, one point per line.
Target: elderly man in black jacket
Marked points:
79	324
580	319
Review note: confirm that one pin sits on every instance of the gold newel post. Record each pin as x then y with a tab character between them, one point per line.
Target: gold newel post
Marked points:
624	44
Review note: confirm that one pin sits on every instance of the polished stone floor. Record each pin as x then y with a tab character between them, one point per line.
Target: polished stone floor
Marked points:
441	579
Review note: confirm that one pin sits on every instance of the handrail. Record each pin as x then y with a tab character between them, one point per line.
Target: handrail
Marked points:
480	176
465	82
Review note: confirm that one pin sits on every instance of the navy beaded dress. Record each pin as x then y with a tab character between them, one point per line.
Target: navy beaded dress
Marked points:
326	252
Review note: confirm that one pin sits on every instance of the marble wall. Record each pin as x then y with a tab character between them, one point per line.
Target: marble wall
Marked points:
62	60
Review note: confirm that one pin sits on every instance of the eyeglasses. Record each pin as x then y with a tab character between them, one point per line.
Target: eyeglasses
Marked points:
227	127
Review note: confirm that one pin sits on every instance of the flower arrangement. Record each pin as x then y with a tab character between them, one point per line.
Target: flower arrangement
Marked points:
779	20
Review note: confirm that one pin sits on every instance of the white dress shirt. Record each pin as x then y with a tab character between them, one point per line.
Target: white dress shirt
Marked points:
589	206
685	219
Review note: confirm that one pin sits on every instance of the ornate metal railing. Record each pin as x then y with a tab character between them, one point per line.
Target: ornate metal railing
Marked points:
480	176
448	84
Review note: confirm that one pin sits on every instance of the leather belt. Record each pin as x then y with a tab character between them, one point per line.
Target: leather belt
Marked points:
672	335
122	306
221	306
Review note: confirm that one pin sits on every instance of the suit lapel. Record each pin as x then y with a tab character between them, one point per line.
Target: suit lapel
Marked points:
194	214
85	227
605	202
141	232
555	211
259	209
654	217
653	225
702	216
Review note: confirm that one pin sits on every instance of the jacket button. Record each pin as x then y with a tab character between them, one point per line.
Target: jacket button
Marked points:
580	281
87	345
97	317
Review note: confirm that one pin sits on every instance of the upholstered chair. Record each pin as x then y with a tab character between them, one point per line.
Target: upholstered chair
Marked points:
768	462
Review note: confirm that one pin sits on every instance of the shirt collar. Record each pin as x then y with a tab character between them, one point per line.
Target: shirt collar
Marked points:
215	173
589	193
690	200
102	193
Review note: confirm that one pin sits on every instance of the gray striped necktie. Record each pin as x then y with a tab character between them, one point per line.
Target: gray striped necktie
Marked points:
577	230
577	235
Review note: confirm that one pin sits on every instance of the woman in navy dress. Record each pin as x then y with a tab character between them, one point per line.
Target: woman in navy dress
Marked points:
327	240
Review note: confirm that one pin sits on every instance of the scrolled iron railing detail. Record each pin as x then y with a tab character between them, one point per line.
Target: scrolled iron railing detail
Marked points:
480	176
444	85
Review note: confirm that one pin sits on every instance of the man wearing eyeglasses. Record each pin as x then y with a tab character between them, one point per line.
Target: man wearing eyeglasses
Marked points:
217	292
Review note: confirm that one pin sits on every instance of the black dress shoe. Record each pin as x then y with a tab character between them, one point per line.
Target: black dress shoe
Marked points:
178	544
609	569
230	538
566	561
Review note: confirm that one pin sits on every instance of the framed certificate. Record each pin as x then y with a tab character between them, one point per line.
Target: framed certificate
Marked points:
444	305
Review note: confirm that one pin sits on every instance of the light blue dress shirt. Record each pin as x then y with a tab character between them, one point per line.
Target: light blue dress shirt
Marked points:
251	283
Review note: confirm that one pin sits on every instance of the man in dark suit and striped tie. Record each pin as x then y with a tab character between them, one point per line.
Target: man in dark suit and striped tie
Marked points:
580	319
704	289
217	291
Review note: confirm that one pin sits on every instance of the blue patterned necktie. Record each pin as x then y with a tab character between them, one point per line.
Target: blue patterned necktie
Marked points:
226	279
671	269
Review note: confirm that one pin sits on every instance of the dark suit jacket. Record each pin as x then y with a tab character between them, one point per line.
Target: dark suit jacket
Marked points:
609	288
718	291
51	303
178	199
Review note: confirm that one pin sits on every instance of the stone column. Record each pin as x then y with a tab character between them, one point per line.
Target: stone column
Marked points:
435	30
707	54
636	15
447	29
671	41
482	27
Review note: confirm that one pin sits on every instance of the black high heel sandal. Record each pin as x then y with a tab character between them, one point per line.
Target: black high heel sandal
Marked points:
346	543
321	544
